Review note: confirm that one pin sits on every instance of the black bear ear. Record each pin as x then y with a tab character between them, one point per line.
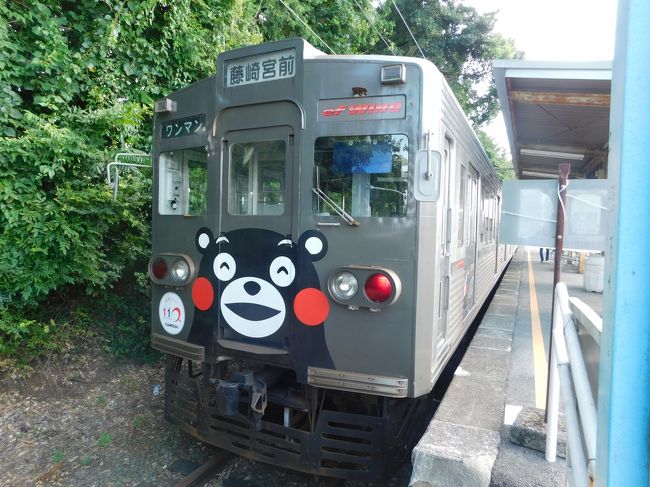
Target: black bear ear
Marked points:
314	243
204	239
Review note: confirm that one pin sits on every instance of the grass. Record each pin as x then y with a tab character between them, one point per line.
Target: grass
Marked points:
58	456
138	421
105	439
101	400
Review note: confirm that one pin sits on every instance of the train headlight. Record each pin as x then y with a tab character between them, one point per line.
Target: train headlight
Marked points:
158	268
378	288
171	269
344	286
180	270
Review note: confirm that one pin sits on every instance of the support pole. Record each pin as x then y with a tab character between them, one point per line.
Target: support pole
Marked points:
623	442
557	267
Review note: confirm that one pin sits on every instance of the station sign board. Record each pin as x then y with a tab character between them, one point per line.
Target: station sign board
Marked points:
529	211
269	66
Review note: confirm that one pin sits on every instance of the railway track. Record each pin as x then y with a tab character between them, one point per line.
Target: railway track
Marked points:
220	460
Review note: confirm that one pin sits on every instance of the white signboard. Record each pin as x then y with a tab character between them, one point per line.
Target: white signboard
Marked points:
258	69
529	211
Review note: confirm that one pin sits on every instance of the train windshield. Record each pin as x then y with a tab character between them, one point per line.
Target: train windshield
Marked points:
366	176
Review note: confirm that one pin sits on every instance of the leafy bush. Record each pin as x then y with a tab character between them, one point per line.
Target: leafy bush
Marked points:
77	82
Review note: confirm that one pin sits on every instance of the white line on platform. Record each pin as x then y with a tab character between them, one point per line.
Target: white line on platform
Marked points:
510	414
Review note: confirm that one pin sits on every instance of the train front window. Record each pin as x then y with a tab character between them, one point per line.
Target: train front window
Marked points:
183	182
366	176
257	178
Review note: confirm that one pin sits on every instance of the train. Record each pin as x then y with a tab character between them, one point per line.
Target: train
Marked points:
325	230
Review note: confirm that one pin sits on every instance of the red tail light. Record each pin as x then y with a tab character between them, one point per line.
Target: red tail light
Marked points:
378	288
159	268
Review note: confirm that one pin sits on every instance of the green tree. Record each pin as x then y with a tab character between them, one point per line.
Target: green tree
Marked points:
497	155
460	42
77	82
341	24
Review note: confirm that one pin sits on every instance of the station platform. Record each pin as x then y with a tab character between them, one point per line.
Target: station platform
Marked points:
499	389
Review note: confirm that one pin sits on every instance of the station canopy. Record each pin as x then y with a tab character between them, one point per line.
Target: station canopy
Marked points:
556	112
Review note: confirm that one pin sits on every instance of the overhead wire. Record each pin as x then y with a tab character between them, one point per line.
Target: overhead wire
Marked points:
374	27
407	28
305	24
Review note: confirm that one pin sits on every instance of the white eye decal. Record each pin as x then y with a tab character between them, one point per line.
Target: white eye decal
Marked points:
314	245
204	240
224	266
282	271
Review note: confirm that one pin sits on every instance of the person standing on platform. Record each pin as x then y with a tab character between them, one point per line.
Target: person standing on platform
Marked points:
541	254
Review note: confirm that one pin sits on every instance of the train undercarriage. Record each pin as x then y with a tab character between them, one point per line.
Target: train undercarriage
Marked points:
262	413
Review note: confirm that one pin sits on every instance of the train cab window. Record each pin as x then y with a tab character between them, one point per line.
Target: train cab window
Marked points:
183	182
366	176
257	172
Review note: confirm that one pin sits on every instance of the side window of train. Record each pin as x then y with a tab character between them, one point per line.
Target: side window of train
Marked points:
461	206
183	182
482	226
468	206
472	204
257	171
366	175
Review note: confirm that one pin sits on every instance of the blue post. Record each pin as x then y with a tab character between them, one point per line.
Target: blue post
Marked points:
624	392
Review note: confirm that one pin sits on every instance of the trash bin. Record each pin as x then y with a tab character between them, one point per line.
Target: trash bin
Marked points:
595	273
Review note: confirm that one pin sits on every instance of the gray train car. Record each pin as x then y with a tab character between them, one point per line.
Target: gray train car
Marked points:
324	232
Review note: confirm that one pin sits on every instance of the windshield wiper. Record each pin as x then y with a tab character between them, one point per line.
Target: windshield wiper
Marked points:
337	209
403	194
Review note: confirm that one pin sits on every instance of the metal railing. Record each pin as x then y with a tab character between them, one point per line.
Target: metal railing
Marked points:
121	160
569	375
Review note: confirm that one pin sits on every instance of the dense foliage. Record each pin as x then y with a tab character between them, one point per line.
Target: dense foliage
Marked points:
460	42
77	82
501	163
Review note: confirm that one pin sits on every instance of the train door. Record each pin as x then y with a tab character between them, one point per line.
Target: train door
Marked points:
470	217
257	179
445	241
256	218
497	221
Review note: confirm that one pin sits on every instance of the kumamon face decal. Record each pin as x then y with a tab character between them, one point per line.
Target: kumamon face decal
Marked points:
252	307
251	279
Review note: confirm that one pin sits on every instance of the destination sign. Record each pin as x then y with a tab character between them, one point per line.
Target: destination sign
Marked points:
182	127
362	108
258	69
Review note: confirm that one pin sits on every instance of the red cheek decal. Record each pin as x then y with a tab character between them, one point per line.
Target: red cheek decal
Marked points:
202	294
311	306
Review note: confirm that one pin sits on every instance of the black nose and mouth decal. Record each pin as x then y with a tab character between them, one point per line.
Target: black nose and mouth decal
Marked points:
252	311
252	288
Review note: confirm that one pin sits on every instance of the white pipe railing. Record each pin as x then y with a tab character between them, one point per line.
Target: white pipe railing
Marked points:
569	375
114	182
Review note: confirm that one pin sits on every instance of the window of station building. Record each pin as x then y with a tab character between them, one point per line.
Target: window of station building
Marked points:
257	178
183	182
366	175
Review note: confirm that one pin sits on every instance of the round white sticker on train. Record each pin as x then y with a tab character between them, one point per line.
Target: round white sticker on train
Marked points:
171	313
